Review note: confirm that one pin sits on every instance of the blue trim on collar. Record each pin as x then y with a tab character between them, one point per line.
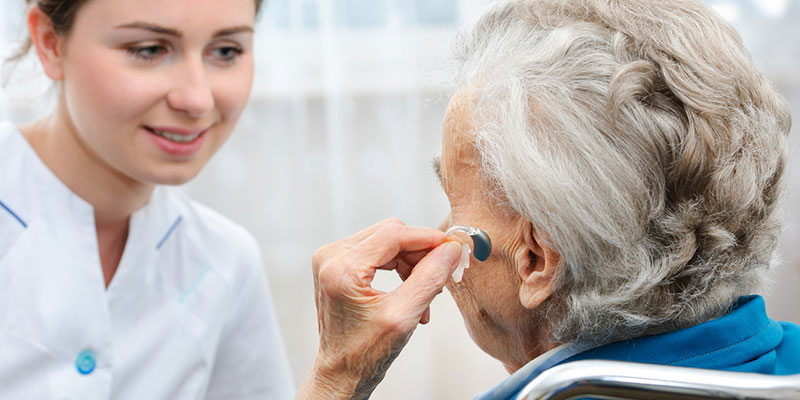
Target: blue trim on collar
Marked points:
13	214
194	285
169	232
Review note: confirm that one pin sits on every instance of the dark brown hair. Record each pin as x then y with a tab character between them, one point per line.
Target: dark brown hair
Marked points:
62	13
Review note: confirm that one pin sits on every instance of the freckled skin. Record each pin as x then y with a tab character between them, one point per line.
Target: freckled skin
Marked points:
489	294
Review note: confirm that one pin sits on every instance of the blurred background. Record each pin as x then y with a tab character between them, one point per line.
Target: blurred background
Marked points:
344	120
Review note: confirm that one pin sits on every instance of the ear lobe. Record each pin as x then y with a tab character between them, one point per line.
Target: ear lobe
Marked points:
47	42
537	266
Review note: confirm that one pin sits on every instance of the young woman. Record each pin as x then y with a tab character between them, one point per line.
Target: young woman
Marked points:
112	286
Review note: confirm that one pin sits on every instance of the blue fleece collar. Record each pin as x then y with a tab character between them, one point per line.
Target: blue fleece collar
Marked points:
741	336
743	340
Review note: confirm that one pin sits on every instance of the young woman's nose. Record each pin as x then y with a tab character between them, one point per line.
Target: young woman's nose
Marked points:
191	91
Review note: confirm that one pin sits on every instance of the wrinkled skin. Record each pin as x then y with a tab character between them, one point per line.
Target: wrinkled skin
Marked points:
496	297
362	330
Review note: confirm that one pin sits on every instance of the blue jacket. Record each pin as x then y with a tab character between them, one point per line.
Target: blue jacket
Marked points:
744	340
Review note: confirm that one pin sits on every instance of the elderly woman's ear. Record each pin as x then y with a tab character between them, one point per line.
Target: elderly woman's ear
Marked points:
537	266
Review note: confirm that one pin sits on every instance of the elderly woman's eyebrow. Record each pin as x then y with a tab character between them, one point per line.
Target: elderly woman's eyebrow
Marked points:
436	163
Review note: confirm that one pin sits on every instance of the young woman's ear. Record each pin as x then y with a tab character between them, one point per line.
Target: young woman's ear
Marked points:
47	42
537	266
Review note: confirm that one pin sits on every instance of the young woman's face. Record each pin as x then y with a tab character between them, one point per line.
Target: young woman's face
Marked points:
154	88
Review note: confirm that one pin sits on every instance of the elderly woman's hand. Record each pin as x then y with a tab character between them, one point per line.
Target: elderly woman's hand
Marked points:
362	329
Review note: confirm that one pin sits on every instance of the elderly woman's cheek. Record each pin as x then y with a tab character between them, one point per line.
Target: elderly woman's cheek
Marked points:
472	298
488	317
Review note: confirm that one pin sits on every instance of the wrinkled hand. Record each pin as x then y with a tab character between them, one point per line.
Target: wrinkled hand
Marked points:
362	329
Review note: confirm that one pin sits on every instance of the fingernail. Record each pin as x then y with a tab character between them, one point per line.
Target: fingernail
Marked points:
452	253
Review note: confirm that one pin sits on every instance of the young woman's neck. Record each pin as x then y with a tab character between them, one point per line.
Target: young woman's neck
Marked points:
113	195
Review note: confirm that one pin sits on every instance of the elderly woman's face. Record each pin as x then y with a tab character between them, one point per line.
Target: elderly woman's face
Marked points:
489	294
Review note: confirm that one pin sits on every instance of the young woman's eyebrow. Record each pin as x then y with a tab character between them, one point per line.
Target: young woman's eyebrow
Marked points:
152	28
233	31
176	33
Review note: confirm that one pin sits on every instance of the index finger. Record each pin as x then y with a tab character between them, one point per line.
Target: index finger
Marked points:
346	244
366	232
387	242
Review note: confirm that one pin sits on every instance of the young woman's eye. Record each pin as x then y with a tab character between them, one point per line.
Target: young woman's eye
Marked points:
228	54
147	53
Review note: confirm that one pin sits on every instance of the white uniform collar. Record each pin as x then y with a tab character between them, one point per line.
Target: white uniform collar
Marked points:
152	223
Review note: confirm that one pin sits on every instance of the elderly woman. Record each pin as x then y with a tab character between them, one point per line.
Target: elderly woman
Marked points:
626	158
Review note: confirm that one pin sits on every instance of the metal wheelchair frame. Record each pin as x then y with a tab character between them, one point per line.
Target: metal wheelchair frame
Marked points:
626	380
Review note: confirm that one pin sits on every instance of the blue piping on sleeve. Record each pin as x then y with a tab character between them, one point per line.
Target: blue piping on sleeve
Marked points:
13	214
169	232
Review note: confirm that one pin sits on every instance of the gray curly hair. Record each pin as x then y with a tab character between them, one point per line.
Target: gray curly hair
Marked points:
642	143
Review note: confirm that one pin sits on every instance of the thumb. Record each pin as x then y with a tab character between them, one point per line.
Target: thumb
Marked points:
427	279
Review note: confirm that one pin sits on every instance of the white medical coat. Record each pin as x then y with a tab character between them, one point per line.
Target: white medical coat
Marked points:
187	315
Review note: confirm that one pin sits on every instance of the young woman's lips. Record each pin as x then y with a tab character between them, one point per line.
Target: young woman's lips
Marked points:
177	142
